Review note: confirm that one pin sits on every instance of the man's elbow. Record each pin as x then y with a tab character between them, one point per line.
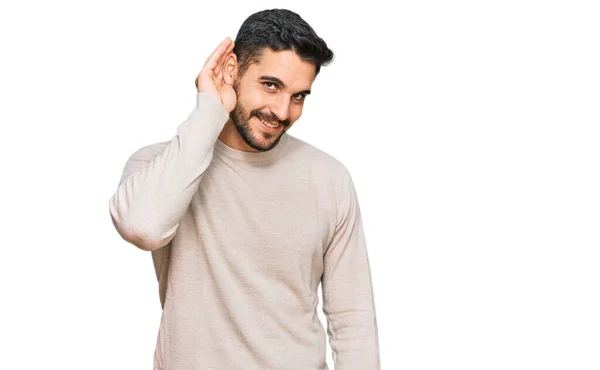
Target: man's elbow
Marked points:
142	235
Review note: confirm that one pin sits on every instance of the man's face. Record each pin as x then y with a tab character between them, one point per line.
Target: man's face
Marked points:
270	97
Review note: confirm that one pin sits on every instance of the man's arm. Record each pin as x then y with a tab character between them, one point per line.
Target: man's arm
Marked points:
348	301
157	186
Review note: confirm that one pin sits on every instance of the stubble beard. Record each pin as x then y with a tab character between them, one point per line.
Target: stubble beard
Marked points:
242	124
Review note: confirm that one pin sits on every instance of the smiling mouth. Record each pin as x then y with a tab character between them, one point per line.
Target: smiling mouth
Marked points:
269	125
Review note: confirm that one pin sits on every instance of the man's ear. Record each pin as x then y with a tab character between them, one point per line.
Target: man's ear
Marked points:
230	69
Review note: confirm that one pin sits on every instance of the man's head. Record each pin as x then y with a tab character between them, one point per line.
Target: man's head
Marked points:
276	58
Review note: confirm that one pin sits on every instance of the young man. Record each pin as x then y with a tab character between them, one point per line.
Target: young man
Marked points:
244	221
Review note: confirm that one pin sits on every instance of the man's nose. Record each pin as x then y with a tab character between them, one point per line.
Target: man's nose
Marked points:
281	108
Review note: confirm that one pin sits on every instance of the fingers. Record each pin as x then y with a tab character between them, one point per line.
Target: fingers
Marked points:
217	49
220	68
223	57
218	56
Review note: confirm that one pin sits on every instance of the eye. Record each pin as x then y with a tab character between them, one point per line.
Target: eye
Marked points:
299	97
270	85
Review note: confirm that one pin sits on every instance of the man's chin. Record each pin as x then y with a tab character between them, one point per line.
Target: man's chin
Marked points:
254	137
263	144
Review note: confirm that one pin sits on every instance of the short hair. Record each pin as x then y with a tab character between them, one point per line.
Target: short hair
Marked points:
279	29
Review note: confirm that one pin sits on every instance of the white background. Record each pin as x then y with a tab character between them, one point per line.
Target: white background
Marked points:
471	129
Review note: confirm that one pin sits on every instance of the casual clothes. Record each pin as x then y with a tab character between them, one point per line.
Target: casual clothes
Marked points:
240	243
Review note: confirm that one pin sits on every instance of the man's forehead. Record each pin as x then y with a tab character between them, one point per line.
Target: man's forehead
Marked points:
285	65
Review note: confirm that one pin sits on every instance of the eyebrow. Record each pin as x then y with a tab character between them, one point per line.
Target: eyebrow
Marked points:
280	83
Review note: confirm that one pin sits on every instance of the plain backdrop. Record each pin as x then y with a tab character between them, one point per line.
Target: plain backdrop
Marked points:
471	130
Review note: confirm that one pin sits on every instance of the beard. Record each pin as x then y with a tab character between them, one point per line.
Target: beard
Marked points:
260	141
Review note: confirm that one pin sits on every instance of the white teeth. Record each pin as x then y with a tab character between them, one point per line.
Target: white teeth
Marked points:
268	124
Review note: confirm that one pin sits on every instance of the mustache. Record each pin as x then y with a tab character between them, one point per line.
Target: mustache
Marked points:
269	117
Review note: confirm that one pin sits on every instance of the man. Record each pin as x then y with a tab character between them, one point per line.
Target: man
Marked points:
244	221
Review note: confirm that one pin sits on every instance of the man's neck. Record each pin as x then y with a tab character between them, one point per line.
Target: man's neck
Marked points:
232	138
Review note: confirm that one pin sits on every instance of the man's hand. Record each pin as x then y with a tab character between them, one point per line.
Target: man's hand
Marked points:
210	79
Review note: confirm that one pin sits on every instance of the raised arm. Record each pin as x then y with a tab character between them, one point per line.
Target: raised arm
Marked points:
348	301
159	181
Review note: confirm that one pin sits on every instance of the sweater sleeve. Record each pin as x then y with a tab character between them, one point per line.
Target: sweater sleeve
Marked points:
348	300
157	185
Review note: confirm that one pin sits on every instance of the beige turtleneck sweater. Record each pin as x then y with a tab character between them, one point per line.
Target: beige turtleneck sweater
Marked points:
240	243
